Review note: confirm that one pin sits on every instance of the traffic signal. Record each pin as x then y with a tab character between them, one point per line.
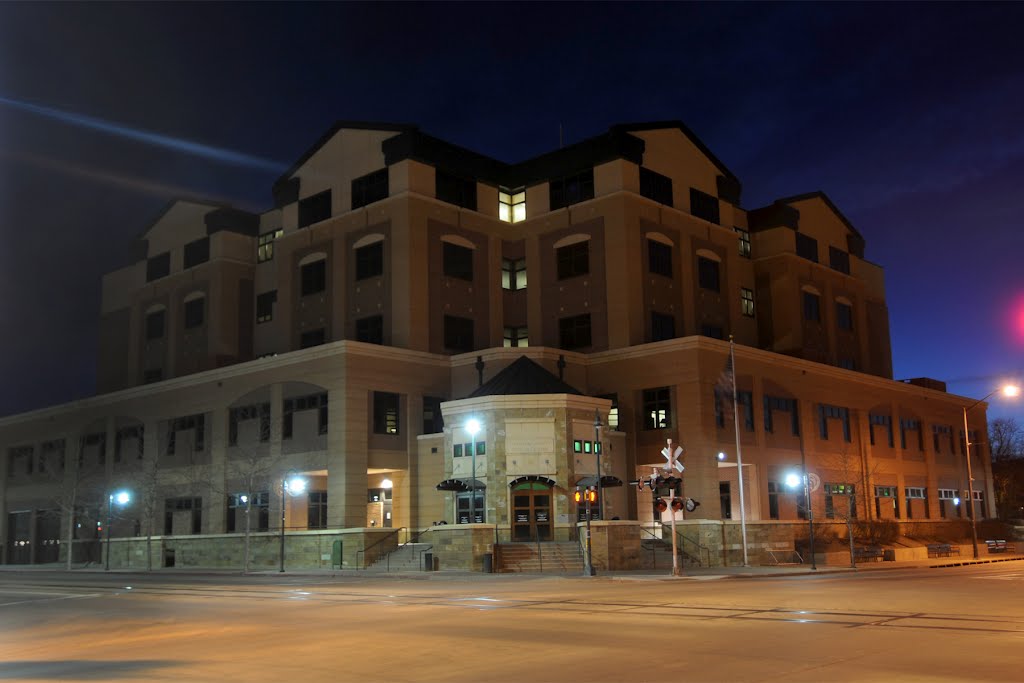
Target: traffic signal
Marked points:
578	496
691	504
591	495
660	505
677	504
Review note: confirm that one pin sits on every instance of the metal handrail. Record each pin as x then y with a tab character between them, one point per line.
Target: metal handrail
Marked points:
362	551
654	551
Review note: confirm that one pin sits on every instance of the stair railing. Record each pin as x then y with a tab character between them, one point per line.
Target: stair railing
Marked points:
363	551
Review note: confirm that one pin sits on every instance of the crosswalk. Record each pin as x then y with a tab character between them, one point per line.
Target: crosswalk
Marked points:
1002	576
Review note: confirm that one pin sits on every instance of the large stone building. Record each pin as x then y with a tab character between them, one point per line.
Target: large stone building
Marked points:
351	332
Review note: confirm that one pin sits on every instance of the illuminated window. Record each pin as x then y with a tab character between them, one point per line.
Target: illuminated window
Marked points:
513	274
512	205
744	236
265	249
516	336
657	403
747	302
385	412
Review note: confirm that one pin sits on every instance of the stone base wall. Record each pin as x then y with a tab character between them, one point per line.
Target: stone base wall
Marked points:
459	546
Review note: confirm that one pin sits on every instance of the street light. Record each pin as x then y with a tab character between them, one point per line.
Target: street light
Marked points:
792	481
294	485
473	427
121	498
597	459
1010	391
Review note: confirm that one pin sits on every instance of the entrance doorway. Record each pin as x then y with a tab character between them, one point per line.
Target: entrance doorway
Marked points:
531	511
725	496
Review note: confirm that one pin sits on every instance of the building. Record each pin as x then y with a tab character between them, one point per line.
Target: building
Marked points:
348	333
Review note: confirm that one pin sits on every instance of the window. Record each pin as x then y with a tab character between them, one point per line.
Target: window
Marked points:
265	306
260	411
950	496
745	401
516	336
513	274
97	444
466	506
703	205
659	258
155	324
370	329
613	412
812	307
260	502
19	459
124	434
839	260
787	405
433	420
806	247
707	273
512	205
317	517
370	188
844	316
385	413
315	208
313	277
773	499
193	505
747	302
573	259
880	421
458	261
655	186
571	189
574	332
458	334
908	425
370	260
942	433
312	338
713	331
197	252
744	237
657	405
826	413
158	266
51	455
848	506
455	190
265	245
197	423
195	310
663	326
316	402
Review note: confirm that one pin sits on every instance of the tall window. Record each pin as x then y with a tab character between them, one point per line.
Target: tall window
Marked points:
844	316
826	413
516	336
458	334
195	312
812	307
457	261
657	406
315	208
258	505
512	205
883	421
703	205
574	332
265	306
663	326
910	425
256	411
317	517
773	499
745	401
846	500
158	266
370	329
513	274
747	302
455	189
806	247
659	258
155	323
370	188
370	260
196	423
433	419
313	277
839	260
573	259
317	402
774	404
707	274
744	239
265	247
385	412
572	189
655	186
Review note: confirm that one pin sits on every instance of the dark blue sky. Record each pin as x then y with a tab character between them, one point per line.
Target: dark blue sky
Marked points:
908	115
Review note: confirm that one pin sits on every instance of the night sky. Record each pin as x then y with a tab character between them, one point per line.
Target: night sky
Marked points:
909	116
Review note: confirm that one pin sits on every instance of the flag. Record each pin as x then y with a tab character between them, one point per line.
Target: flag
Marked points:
724	396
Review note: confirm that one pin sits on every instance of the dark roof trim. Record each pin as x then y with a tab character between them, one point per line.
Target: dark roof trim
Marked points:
775	215
614	144
532	477
416	145
461	485
523	376
232	220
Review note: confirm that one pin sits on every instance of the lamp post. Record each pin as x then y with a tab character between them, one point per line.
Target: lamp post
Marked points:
1009	390
597	462
473	427
293	485
793	482
121	498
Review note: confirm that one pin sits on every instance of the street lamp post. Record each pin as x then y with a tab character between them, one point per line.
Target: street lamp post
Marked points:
294	485
793	482
1008	390
597	462
473	427
121	498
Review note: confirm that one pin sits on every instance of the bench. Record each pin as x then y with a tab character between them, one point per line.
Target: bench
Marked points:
942	550
871	552
1000	546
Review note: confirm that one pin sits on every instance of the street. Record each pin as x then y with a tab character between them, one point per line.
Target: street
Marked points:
958	623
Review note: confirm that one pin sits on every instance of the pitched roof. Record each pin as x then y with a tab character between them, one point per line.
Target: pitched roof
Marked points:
523	376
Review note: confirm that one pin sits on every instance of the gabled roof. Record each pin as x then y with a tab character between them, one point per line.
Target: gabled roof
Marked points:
818	194
338	126
698	143
524	376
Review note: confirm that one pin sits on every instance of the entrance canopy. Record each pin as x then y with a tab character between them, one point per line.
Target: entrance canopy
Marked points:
607	481
461	485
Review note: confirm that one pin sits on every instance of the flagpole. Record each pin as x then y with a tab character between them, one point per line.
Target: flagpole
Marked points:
739	455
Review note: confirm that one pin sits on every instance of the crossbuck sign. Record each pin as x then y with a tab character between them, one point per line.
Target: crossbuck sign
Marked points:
672	457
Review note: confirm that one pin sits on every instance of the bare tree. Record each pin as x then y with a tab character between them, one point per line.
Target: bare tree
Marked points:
1006	439
855	475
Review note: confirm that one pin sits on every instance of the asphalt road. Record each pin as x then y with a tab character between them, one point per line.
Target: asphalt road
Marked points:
953	624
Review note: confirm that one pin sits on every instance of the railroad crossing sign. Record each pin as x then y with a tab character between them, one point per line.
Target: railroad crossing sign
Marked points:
672	457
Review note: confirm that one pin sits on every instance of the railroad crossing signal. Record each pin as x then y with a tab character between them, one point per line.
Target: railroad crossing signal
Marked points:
672	457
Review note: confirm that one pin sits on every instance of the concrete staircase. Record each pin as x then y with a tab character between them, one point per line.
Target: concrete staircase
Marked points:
407	558
541	558
660	553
